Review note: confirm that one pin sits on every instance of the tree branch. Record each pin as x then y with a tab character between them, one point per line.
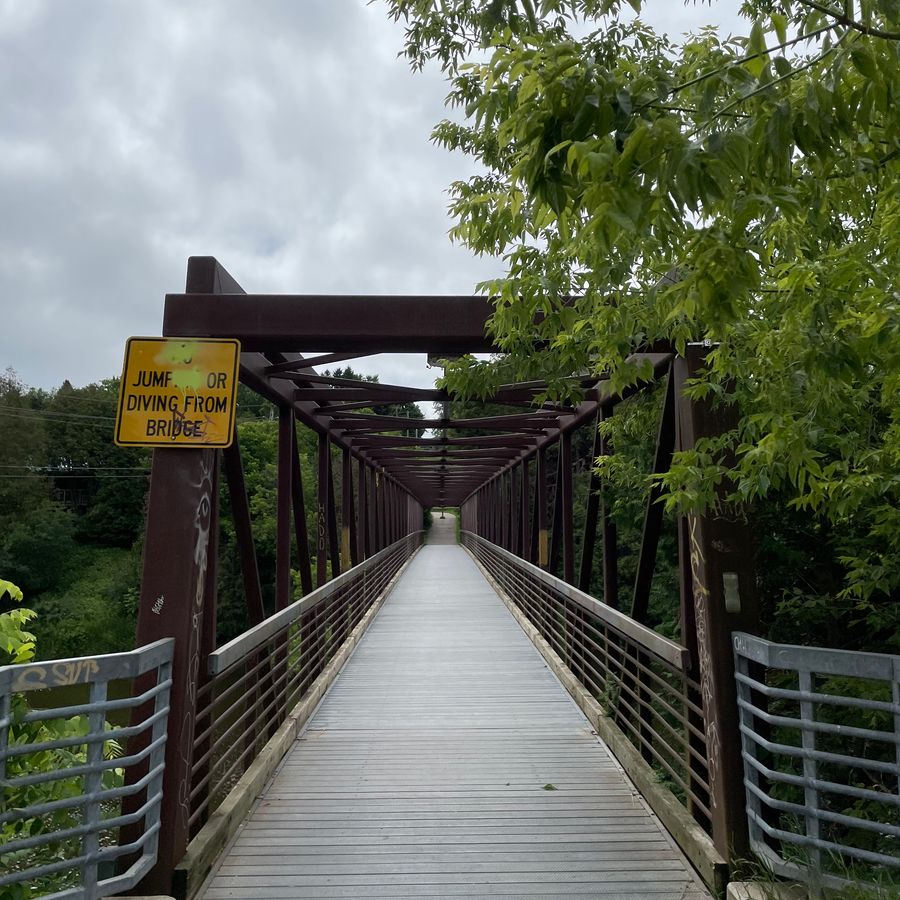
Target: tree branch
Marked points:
763	87
842	19
737	62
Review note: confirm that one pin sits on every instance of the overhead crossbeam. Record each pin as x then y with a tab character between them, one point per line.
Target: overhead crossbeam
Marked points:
447	462
322	323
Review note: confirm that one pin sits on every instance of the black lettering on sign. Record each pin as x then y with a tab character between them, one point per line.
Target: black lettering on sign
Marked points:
149	378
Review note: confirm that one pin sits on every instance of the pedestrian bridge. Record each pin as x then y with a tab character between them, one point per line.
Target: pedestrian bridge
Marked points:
447	760
483	718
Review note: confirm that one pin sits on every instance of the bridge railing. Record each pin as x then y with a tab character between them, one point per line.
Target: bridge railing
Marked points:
820	734
62	735
639	677
257	678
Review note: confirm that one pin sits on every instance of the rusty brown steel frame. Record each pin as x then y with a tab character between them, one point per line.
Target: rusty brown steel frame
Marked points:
683	719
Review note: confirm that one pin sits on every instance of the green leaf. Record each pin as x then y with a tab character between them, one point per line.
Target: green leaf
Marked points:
864	61
779	23
757	41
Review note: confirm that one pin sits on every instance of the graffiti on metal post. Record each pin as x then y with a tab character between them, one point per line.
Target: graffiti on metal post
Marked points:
320	527
202	526
701	613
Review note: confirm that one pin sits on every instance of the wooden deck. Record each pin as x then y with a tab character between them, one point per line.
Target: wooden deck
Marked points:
447	761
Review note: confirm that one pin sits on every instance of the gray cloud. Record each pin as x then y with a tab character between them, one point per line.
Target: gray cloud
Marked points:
283	137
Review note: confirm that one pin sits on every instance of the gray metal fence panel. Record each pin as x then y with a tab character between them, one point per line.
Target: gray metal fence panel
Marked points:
61	787
820	733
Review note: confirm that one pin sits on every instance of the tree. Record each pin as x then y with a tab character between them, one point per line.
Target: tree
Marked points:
740	191
104	484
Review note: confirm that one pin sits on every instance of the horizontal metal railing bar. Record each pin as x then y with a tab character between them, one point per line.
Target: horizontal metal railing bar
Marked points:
621	678
127	879
263	661
654	713
215	776
887	737
84	709
645	637
276	667
803	840
73	845
114	734
819	755
259	715
41	809
289	673
110	667
822	699
244	644
105	853
75	832
284	683
877	809
661	683
641	742
633	692
819	660
826	787
635	722
275	679
824	815
265	669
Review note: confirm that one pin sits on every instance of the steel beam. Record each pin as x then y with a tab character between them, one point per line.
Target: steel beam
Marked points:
378	324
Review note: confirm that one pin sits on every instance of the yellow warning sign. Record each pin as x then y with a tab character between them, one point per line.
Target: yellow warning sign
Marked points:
178	392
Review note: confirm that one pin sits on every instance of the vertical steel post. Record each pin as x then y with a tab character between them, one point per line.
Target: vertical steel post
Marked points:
243	531
362	531
610	538
556	526
355	523
568	537
590	517
322	512
543	558
346	508
176	566
723	594
299	506
523	515
334	546
283	507
283	512
653	514
379	511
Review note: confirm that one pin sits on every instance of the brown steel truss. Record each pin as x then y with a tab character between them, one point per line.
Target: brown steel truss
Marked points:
388	469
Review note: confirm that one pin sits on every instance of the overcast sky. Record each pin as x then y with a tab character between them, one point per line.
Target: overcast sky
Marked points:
284	137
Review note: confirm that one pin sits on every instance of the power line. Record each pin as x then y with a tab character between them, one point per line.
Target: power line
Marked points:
100	477
80	424
108	401
50	412
63	469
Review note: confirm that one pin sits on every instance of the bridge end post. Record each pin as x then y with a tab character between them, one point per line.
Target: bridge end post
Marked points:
178	592
718	598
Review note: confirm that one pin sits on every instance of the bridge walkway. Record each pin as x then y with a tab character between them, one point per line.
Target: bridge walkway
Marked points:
448	761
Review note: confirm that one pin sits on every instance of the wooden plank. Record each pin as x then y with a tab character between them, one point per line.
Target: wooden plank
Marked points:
447	761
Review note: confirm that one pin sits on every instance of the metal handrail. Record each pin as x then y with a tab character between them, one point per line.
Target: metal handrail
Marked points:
650	640
257	678
797	790
244	644
642	679
93	817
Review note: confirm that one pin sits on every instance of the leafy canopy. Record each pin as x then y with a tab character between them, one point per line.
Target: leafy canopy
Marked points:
743	191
